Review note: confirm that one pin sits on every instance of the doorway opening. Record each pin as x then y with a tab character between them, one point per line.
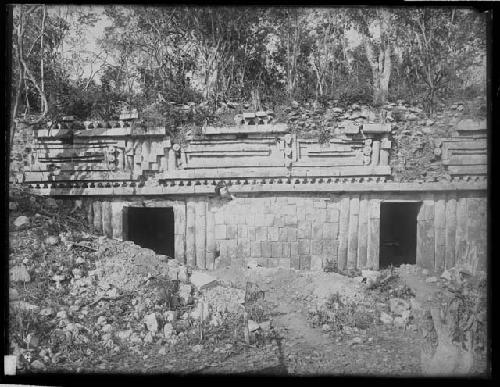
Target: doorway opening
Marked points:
152	228
398	233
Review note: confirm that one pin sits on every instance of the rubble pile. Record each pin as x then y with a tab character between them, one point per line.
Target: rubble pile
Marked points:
78	300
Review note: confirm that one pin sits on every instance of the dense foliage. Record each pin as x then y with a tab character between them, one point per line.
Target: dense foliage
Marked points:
151	58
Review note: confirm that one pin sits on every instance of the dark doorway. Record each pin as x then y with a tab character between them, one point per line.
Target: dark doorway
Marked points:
151	227
398	233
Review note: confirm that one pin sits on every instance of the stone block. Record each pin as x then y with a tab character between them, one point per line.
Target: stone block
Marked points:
230	216
272	262
261	233
330	230
279	220
220	231
316	262
244	249
251	233
291	234
284	263
232	231
290	210
316	247
250	219
304	230
319	204
283	234
255	249
269	220
219	217
291	220
305	262
295	262
294	249
265	249
231	247
329	247
242	231
317	231
276	250
304	246
285	250
273	234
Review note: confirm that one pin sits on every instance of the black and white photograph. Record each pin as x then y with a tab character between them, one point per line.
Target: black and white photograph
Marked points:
247	190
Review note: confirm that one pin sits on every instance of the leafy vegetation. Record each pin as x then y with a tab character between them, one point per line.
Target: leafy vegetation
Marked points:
91	62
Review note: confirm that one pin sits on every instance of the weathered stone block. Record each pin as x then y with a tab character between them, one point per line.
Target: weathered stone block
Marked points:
316	247
283	234
305	262
294	249
330	230
295	262
273	234
242	231
304	246
251	233
329	247
317	231
321	203
220	231
304	230
269	219
284	263
285	249
244	247
250	219
261	233
219	217
291	220
272	262
230	216
232	231
255	249
276	250
301	213
265	249
279	220
231	248
291	234
316	262
290	210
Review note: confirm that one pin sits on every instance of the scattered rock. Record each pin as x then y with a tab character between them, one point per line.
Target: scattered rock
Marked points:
425	272
38	365
62	315
356	340
201	311
124	335
148	338
51	240
265	326
386	318
162	351
326	328
13	206
197	348
253	326
51	202
151	322
47	312
431	280
168	330
170	315
185	294
202	280
398	305
415	305
13	294
21	222
19	274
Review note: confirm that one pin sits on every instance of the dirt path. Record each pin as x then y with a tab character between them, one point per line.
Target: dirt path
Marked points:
301	349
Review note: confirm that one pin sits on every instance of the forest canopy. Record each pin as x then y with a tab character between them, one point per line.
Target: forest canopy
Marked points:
91	62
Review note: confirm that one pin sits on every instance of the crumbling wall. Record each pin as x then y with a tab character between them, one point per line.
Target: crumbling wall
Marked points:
21	151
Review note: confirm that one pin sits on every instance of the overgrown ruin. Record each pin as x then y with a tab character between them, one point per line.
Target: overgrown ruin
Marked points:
285	201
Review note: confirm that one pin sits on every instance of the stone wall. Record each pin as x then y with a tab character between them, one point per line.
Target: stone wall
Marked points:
21	151
304	231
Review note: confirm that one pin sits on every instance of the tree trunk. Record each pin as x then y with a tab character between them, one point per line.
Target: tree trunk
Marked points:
42	82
